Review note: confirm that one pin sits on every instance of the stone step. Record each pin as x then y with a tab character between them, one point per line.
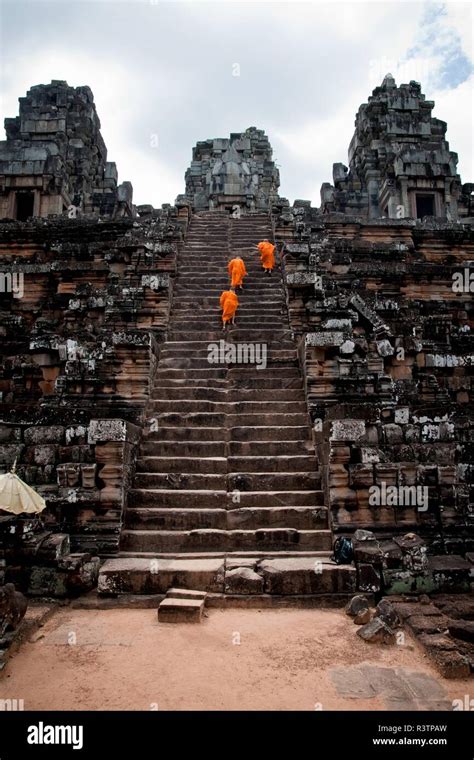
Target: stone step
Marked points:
234	333
191	324
220	244
197	275
253	481
219	373
188	383
215	265
188	303
230	373
246	309
269	433
172	610
278	316
183	593
248	358
222	395
267	448
229	407
225	540
208	498
155	576
209	465
269	290
181	481
187	448
210	270
184	433
179	519
265	464
184	448
248	518
249	294
206	308
251	433
215	252
180	320
223	420
233	384
236	464
201	347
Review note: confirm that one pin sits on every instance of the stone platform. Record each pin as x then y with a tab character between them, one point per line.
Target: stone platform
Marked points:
228	575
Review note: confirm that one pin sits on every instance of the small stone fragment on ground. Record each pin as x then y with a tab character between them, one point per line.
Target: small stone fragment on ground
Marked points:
377	632
357	604
362	617
386	611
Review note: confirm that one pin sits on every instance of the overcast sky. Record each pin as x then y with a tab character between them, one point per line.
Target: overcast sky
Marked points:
163	76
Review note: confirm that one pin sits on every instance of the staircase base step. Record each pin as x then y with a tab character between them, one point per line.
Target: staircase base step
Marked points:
157	576
236	576
93	601
186	593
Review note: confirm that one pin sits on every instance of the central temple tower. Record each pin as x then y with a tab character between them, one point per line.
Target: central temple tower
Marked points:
238	170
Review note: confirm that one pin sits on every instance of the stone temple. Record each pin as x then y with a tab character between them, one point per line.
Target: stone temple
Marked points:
238	170
162	468
400	164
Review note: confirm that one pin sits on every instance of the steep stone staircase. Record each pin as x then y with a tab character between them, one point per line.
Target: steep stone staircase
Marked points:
227	476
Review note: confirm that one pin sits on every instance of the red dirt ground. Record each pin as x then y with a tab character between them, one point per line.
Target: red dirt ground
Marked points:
287	659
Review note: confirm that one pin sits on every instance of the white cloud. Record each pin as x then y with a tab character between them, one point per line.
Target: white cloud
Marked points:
456	108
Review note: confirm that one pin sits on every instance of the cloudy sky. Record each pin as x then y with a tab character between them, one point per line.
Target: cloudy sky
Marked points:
167	74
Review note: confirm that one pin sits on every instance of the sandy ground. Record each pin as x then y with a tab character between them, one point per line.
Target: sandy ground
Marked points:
287	659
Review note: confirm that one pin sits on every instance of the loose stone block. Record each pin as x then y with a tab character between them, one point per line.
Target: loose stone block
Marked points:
377	632
243	580
172	610
357	604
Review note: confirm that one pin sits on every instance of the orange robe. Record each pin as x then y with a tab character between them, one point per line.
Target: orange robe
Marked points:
237	272
229	303
267	255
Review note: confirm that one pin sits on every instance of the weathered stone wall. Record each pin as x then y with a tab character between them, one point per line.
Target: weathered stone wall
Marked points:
384	314
80	340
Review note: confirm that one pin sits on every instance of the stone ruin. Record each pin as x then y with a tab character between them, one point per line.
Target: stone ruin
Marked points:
400	165
55	160
236	171
379	304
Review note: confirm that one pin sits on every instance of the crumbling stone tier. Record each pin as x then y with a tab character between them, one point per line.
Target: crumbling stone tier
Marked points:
161	469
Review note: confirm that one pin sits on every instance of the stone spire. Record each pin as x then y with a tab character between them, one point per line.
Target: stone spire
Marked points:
233	171
400	164
54	160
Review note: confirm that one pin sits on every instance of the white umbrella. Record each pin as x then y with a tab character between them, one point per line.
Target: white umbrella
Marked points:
18	497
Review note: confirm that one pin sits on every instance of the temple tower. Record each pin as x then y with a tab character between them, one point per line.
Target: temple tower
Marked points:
54	160
236	171
400	165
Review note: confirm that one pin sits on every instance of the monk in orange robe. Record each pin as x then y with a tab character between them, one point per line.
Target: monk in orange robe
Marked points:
267	255
237	272
229	303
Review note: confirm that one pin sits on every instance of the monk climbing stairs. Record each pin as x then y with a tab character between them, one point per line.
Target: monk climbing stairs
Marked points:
227	493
